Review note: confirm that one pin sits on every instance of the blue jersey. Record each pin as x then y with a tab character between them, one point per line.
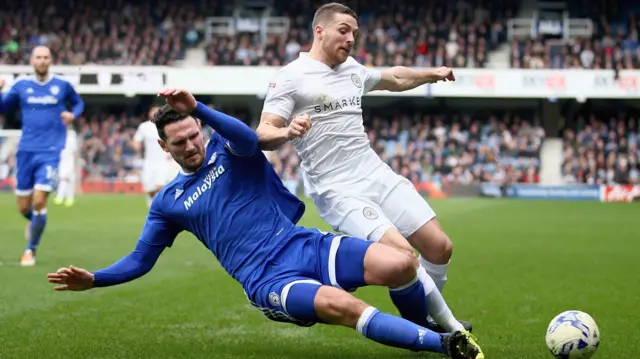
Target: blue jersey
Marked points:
41	104
236	206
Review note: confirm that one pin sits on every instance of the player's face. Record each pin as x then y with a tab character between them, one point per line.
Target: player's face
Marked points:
185	143
339	36
41	60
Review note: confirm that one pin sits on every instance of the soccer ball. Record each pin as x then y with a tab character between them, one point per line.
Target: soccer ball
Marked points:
573	335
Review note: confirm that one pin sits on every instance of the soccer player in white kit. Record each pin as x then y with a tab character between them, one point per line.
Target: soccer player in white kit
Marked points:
67	170
353	189
155	167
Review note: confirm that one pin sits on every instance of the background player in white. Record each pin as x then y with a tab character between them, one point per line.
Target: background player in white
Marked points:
353	189
155	165
67	170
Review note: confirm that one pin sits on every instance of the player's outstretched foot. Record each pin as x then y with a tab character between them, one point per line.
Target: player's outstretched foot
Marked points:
435	327
461	345
68	203
57	201
28	259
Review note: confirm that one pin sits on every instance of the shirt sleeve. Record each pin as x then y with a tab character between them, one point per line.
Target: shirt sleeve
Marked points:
139	136
157	234
77	104
371	78
10	99
280	99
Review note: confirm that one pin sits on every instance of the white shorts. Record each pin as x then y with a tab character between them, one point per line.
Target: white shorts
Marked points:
66	168
369	207
154	178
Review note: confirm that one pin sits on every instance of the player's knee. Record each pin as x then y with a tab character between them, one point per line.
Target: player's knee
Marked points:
402	269
39	204
335	306
442	249
24	207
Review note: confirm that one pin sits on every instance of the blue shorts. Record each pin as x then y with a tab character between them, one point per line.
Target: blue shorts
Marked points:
36	170
286	288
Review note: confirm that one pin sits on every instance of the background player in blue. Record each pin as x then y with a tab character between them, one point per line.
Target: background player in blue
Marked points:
228	196
43	100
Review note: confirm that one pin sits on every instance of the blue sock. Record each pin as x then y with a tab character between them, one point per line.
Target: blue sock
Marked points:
38	222
411	302
398	332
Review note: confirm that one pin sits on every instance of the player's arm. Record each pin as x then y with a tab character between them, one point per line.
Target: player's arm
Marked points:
400	78
242	139
10	99
77	105
278	106
157	234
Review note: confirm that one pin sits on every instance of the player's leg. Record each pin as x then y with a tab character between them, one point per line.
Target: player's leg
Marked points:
46	173
24	194
70	194
366	221
63	183
149	184
414	218
305	302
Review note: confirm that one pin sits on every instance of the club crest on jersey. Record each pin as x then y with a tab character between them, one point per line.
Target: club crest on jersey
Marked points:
356	81
54	90
274	299
369	213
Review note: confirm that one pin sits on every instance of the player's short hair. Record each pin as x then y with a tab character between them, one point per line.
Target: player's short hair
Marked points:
327	11
165	116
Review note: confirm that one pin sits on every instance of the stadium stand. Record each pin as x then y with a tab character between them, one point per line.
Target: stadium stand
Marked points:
601	147
408	33
447	148
613	45
103	32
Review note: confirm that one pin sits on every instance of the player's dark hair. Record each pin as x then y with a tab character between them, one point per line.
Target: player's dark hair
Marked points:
326	12
165	116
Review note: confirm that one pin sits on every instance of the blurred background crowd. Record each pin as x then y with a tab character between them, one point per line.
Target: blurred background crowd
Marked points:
439	146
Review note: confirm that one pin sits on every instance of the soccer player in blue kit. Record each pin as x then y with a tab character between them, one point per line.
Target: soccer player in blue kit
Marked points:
43	102
228	196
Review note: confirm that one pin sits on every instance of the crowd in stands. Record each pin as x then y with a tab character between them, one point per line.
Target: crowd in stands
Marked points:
409	33
434	147
142	32
452	148
602	148
613	45
118	32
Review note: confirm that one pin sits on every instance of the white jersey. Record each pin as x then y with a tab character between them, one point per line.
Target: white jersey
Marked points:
154	156
336	149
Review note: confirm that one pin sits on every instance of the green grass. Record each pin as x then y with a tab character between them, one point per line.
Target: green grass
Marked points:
516	265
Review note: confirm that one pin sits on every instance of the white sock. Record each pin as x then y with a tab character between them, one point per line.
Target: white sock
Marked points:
61	190
437	272
71	189
438	308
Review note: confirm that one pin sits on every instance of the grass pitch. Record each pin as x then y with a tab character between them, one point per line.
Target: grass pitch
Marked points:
516	265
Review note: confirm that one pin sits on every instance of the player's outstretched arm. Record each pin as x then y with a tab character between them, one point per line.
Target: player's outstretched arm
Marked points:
10	99
399	78
157	234
242	139
132	266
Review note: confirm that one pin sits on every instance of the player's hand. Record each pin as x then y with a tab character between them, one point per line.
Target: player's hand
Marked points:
180	100
299	126
72	278
67	117
444	74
